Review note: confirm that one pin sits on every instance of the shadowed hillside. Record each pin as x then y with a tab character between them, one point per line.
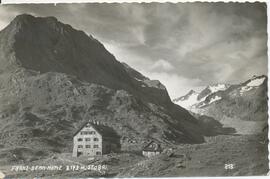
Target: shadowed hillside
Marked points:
53	78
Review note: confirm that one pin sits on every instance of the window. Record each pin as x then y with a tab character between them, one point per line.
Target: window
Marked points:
95	146
87	139
80	146
88	132
98	153
95	139
88	146
79	139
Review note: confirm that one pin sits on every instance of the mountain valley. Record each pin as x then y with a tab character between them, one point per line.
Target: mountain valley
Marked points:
54	78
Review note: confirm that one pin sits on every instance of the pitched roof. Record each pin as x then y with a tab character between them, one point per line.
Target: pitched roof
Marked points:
103	130
152	147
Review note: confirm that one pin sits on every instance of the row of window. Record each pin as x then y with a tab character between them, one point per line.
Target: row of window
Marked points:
97	153
88	146
87	139
88	132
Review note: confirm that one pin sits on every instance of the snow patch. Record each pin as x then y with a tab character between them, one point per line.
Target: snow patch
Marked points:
216	98
203	99
189	102
192	101
138	79
245	89
218	87
256	82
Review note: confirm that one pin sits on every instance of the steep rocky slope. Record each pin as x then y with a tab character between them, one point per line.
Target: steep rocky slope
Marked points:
47	45
53	78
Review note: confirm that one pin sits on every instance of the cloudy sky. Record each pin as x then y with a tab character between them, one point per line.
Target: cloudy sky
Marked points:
185	45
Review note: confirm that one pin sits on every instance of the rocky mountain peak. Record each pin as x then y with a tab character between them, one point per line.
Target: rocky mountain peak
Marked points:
44	44
27	19
258	76
23	19
191	92
20	22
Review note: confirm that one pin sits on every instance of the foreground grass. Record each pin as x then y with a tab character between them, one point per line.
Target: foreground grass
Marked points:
224	155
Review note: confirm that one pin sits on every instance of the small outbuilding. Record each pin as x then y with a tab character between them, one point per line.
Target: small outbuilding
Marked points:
151	149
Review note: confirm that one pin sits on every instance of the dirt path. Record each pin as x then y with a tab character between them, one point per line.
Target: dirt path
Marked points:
70	161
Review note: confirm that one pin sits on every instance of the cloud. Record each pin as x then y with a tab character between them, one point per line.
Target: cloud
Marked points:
184	45
174	83
6	17
162	65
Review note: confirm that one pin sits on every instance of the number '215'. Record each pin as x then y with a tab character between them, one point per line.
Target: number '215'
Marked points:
229	166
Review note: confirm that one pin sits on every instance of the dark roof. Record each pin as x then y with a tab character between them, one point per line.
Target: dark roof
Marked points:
80	128
152	147
103	130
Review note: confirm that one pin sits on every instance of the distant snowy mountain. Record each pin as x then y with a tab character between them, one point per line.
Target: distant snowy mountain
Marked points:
193	99
242	106
251	84
188	100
